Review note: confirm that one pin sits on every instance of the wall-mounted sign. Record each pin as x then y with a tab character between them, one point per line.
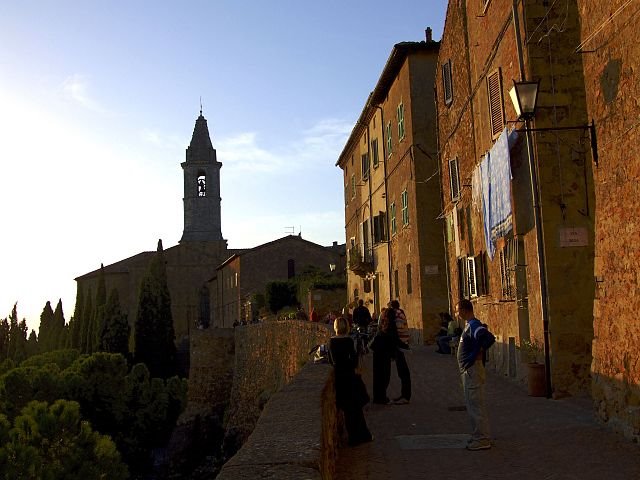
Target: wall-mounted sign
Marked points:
574	237
431	269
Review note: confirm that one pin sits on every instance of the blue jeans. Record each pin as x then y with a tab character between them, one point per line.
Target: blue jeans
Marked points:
473	380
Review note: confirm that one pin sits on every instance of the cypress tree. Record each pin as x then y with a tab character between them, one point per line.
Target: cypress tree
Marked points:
75	325
98	318
17	336
4	339
45	332
87	323
114	337
58	330
154	333
32	344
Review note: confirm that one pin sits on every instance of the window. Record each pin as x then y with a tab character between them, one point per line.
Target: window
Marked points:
366	285
463	284
496	105
202	185
482	274
395	283
400	121
447	85
365	166
353	187
389	142
409	285
471	277
392	209
291	268
404	197
346	194
508	256
454	180
380	227
374	152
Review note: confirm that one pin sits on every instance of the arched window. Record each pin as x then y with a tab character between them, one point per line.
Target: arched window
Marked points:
202	185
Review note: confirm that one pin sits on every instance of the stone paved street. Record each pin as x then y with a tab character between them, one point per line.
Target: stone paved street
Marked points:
534	438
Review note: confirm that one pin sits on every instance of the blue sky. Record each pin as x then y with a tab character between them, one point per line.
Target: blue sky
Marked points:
98	101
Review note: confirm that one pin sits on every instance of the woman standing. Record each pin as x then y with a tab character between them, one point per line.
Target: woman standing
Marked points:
348	399
383	347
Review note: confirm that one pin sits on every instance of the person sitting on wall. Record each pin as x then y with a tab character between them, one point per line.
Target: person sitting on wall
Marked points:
300	314
453	331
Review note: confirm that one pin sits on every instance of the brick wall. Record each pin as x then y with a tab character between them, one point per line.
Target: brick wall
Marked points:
611	57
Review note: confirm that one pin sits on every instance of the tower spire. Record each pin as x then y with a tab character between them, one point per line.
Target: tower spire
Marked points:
200	105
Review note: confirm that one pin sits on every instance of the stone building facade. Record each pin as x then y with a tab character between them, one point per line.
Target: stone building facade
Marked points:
247	272
610	53
392	193
486	46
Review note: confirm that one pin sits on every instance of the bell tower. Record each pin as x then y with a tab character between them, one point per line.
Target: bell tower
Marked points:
201	200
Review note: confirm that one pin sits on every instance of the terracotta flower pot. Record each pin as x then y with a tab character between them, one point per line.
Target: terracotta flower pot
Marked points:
536	380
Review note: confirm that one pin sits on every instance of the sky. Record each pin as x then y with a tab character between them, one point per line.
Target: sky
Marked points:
98	101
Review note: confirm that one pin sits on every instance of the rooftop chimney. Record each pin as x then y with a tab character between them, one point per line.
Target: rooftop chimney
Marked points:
427	34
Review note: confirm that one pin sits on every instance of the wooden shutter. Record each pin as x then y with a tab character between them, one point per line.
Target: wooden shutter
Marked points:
471	276
447	84
454	180
496	108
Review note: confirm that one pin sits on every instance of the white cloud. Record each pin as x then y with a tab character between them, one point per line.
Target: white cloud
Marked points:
317	146
76	88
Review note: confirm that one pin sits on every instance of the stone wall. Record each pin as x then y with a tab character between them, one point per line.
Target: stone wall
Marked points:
611	55
296	435
267	356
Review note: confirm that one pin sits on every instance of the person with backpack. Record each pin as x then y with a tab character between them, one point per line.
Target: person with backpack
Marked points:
402	339
474	342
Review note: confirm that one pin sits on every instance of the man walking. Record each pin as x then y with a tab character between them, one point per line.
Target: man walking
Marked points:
471	364
361	315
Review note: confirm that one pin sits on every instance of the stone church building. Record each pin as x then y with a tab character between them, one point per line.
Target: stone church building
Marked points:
195	261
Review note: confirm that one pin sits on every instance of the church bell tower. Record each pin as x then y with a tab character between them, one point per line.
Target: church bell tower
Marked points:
201	172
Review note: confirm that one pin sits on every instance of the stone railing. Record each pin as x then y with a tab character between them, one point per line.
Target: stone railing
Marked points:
296	436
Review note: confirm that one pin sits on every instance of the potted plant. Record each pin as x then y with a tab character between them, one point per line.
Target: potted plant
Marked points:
536	372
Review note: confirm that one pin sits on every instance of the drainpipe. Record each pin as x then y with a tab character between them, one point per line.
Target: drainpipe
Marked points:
535	194
444	225
386	201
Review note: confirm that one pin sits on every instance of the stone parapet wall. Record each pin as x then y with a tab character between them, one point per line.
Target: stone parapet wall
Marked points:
211	373
267	356
296	435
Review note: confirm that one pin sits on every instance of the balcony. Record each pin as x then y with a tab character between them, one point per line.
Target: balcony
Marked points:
360	264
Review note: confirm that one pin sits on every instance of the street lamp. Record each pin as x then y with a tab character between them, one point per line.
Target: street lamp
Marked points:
524	96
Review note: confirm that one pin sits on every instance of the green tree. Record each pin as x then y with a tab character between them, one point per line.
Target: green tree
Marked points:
45	332
58	328
32	344
115	332
52	442
280	294
87	321
98	318
17	350
75	324
4	339
154	333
